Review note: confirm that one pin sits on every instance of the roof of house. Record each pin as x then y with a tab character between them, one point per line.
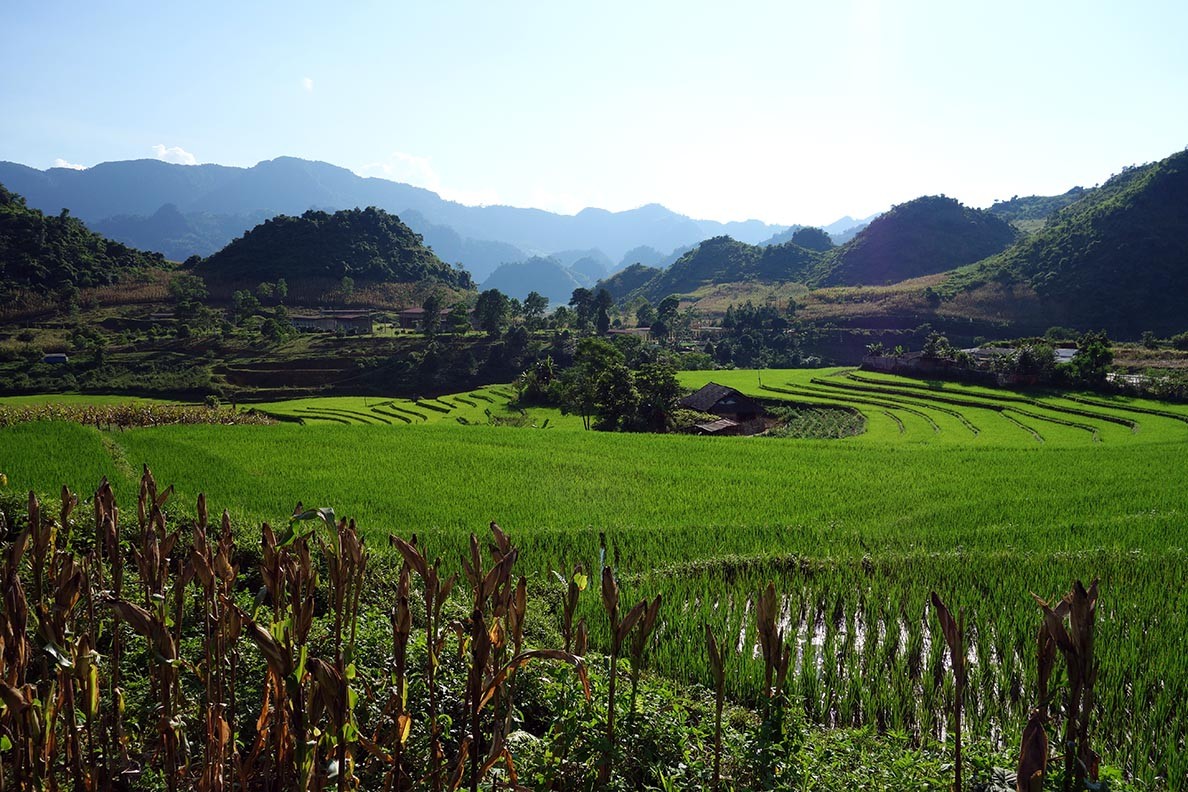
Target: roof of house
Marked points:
717	426
707	396
305	317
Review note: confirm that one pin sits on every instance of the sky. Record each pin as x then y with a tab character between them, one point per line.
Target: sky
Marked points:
787	112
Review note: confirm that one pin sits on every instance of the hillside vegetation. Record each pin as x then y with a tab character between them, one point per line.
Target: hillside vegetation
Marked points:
363	244
921	237
43	254
1117	259
723	260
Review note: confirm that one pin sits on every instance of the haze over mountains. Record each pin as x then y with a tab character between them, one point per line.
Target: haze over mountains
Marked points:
183	210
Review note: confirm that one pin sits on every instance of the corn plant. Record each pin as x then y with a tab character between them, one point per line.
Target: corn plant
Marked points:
499	611
574	586
1076	645
954	632
777	658
619	629
1033	751
717	663
346	563
639	644
285	726
215	575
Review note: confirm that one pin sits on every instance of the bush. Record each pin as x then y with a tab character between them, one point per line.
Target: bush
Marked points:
1180	341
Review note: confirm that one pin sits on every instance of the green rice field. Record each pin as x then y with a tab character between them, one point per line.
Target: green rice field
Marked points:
983	495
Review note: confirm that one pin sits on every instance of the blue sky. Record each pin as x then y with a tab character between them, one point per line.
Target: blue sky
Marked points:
788	112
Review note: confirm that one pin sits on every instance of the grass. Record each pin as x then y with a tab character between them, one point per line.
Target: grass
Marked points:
855	531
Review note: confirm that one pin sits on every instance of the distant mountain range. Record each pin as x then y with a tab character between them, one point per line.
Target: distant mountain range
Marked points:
183	210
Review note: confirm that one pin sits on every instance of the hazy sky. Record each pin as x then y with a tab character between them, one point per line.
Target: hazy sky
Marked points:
789	112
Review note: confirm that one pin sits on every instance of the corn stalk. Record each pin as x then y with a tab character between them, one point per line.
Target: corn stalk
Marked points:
954	632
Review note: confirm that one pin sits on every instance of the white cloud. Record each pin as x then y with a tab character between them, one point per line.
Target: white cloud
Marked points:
174	154
307	84
419	172
61	163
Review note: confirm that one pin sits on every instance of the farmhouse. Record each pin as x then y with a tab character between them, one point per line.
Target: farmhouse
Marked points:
719	428
723	402
352	322
414	318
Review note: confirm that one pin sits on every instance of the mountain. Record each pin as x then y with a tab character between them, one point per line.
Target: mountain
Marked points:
175	235
1031	211
546	276
928	235
782	237
1117	258
842	237
287	185
627	280
364	244
726	260
590	269
479	256
806	237
43	254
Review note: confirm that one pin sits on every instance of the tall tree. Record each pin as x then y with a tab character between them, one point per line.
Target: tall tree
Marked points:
582	303
432	316
491	311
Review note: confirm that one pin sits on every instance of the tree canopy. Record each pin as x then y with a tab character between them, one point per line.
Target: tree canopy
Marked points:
365	245
44	254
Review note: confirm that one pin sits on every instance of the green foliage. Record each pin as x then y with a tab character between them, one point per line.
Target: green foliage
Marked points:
725	260
1094	355
924	236
1034	208
1113	259
759	336
365	245
43	254
627	281
811	238
491	311
818	423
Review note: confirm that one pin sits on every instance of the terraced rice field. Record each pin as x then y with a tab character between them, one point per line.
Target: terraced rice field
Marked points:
480	406
982	495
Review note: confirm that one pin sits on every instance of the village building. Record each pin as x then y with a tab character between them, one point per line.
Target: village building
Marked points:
737	414
722	401
414	318
349	322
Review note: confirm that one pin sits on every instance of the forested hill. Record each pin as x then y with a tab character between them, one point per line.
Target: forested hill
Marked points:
42	254
363	244
1117	259
921	237
726	260
1030	211
627	280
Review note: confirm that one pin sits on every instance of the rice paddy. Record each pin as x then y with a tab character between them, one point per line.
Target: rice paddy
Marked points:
979	494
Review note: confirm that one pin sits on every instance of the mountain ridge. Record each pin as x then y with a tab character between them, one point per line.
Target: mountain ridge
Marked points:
290	185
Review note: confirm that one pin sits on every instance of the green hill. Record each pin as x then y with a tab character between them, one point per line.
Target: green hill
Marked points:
726	260
627	280
921	237
1117	259
42	254
1029	212
368	245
